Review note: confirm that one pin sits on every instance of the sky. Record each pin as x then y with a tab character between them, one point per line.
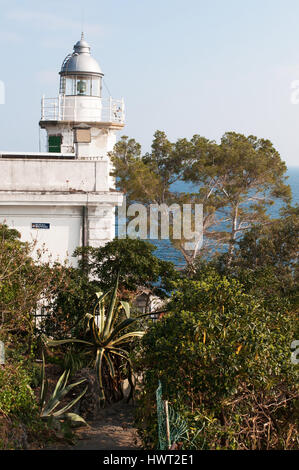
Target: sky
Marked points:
185	67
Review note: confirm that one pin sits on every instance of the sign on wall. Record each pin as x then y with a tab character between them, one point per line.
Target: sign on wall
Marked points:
40	225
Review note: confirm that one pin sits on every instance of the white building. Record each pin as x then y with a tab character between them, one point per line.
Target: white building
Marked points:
66	197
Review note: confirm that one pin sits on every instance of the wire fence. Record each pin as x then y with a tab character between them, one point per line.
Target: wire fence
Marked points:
173	430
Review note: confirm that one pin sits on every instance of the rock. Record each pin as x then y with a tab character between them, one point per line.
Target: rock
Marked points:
89	405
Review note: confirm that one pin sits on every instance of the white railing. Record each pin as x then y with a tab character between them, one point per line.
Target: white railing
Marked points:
56	109
113	110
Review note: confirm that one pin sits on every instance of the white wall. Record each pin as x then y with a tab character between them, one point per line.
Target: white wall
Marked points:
82	108
56	175
54	192
61	239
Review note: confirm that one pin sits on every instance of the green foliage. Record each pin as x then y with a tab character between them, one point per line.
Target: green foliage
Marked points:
274	244
23	283
222	360
147	179
105	339
236	181
240	178
16	395
67	310
134	260
9	234
178	426
49	407
20	413
246	162
74	359
266	262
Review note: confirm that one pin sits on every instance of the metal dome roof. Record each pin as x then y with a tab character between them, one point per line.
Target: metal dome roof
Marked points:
80	61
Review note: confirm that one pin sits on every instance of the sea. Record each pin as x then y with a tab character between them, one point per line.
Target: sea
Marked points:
165	250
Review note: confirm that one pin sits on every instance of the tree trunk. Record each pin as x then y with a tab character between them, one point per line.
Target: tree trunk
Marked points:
231	248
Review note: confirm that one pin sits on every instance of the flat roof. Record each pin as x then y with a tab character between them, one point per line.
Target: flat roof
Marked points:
37	155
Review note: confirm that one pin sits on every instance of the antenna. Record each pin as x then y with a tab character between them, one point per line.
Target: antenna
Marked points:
82	23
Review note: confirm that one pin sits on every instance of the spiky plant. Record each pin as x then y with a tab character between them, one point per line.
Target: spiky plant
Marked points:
107	338
49	408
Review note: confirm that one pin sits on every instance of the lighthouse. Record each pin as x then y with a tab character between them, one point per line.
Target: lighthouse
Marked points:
65	197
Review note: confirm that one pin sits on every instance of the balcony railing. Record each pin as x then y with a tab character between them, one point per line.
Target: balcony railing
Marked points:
56	109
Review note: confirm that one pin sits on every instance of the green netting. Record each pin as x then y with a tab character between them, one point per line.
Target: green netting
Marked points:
178	428
161	419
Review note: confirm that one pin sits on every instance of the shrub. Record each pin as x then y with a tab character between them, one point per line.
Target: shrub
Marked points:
224	363
23	283
16	395
20	424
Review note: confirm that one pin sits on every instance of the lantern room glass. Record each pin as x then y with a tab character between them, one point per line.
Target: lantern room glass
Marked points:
81	85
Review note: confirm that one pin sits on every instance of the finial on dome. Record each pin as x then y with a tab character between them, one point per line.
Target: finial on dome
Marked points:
82	47
80	60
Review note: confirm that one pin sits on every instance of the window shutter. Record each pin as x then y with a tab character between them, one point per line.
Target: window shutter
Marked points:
55	143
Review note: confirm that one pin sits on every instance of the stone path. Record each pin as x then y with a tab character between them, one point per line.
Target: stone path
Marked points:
113	429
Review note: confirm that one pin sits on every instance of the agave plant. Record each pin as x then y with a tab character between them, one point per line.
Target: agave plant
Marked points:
49	408
108	339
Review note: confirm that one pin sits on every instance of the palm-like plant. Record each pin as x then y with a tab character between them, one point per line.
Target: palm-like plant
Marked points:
108	340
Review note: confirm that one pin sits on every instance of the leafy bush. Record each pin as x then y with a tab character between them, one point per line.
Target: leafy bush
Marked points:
16	395
135	262
67	310
224	363
23	283
266	261
20	424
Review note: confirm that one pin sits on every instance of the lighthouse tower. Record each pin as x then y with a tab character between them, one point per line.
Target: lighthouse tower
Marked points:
65	196
79	120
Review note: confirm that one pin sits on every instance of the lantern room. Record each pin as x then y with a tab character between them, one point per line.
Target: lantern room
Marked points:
81	85
80	73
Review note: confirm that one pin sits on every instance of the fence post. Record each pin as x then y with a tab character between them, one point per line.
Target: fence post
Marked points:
167	424
2	353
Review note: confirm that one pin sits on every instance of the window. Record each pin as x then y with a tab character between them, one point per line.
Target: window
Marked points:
70	85
81	85
96	86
